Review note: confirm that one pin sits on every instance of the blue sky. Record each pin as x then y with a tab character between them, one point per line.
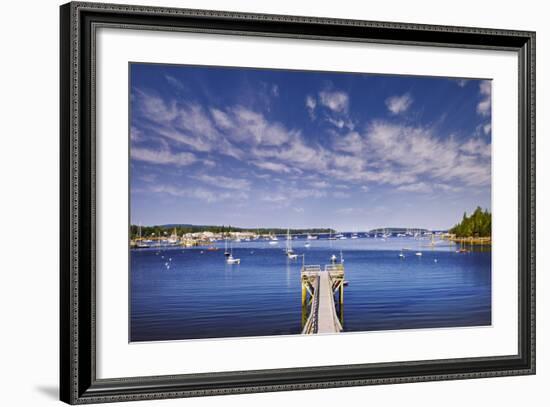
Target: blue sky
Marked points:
277	148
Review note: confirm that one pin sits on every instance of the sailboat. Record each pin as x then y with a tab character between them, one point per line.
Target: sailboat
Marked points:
231	260
226	252
173	239
140	243
289	252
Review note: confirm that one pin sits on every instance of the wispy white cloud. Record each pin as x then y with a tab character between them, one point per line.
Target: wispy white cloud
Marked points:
351	142
253	127
418	187
155	108
340	122
320	184
286	196
424	187
136	134
399	104
162	157
384	153
202	194
484	106
476	146
221	181
230	131
271	166
221	119
341	195
311	103
337	101
175	83
411	152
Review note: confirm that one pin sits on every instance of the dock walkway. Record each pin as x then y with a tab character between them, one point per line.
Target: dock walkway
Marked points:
321	286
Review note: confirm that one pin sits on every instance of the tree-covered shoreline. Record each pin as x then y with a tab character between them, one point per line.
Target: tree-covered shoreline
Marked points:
478	224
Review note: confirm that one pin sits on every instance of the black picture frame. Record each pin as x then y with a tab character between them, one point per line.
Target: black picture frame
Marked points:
78	382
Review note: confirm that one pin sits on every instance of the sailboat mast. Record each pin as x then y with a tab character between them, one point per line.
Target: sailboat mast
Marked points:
288	247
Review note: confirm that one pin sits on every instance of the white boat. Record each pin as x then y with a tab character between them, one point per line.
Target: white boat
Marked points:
232	260
273	242
401	255
418	253
354	236
312	237
289	252
307	244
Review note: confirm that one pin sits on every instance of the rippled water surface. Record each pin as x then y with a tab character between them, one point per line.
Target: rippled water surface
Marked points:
185	293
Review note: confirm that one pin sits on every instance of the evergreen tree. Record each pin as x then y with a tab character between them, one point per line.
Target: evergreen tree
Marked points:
478	224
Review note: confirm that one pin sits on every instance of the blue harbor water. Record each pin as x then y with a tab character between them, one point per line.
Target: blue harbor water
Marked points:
189	293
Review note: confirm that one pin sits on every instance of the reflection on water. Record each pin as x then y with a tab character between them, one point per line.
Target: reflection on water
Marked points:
184	293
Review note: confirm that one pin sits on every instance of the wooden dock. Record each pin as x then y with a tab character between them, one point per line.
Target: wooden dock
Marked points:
319	286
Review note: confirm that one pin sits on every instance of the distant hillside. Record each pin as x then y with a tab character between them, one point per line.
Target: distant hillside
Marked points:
182	228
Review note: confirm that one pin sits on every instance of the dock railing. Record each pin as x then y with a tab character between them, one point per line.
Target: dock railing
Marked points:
310	327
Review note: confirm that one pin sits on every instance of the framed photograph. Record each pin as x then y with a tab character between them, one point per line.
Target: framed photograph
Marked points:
255	203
